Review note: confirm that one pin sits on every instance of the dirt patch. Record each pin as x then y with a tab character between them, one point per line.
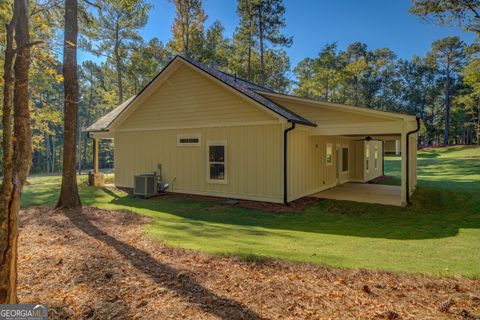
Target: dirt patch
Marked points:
294	206
97	264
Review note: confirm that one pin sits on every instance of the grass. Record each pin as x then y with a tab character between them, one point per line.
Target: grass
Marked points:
438	235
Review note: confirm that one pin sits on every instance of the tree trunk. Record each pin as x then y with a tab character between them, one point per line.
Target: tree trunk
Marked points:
117	63
186	45
326	90
47	153
260	30
8	230
447	109
250	35
85	134
79	147
69	191
53	153
17	152
249	63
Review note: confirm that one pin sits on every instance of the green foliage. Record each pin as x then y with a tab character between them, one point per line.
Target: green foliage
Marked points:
216	48
433	236
377	79
114	34
464	13
188	28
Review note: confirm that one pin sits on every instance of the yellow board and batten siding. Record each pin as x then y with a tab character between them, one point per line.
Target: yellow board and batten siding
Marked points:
253	160
189	102
190	99
308	171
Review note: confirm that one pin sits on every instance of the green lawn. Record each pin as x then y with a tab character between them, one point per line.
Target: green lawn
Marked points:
439	234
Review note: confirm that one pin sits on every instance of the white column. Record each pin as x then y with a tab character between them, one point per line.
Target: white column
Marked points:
397	147
403	142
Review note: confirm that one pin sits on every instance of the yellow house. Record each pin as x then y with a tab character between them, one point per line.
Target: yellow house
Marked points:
217	135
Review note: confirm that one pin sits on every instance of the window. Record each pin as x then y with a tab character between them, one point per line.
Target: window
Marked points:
376	158
216	172
188	139
367	157
329	154
344	159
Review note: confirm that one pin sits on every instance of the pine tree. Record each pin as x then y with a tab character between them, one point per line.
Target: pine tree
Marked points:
188	28
449	55
270	20
246	30
216	48
69	197
17	152
114	34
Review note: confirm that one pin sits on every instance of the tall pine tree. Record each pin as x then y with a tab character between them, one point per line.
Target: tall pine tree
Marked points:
115	32
270	21
188	28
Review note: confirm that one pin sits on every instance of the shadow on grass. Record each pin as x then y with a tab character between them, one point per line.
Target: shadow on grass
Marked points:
436	213
164	275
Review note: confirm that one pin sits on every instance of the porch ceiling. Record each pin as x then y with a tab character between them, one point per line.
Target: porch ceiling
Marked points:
363	192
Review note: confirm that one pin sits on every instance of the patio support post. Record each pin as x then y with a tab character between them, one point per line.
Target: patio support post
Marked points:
95	155
397	147
404	155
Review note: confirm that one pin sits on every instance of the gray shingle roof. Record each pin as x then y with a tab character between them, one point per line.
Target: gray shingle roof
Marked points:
245	87
104	122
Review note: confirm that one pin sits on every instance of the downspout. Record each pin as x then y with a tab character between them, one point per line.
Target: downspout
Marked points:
285	170
408	158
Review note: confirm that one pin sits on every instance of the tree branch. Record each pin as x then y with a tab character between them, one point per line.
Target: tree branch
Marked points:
93	4
469	5
28	45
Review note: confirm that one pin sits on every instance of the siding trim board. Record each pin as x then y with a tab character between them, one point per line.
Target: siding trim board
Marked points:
199	126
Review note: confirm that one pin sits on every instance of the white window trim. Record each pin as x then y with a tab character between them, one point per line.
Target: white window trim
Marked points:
189	135
345	146
367	161
216	143
375	157
326	147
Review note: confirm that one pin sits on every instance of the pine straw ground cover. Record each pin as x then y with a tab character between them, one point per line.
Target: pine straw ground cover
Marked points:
97	264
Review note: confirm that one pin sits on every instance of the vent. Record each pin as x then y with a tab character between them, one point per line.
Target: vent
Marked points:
144	185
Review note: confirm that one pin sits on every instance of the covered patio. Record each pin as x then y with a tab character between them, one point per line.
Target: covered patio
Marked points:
364	192
354	138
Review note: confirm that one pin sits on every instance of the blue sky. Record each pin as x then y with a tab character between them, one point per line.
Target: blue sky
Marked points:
314	23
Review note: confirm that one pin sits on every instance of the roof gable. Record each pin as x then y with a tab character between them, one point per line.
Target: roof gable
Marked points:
191	99
115	117
380	114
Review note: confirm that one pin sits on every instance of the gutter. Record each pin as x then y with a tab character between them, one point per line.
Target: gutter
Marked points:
408	158
285	156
